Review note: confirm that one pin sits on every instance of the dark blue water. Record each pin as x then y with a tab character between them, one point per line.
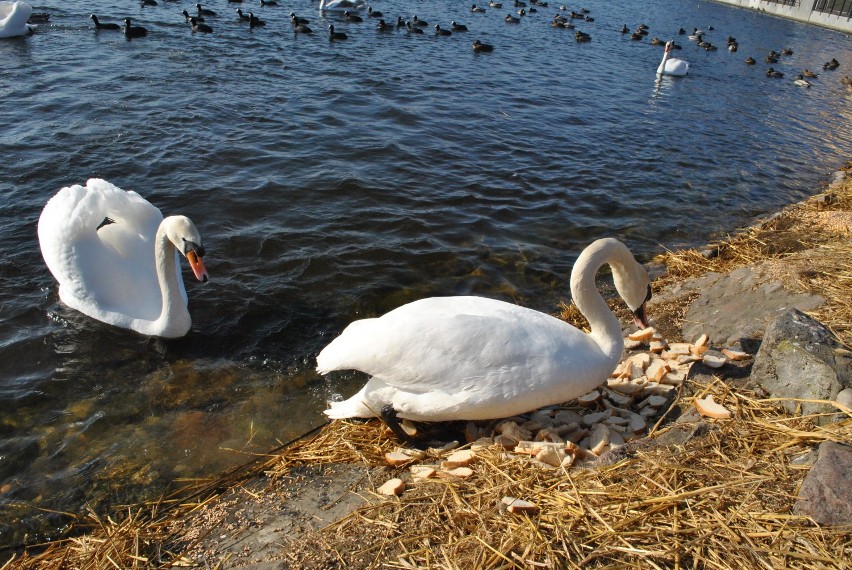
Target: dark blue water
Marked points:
337	181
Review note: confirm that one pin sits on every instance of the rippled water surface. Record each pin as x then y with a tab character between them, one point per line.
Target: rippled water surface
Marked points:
332	181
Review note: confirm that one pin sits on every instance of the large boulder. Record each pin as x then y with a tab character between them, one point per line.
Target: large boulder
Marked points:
826	495
800	359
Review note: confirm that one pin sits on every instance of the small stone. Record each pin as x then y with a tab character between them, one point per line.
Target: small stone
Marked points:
844	397
825	494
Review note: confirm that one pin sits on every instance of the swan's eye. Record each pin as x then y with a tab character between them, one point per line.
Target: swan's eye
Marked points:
190	246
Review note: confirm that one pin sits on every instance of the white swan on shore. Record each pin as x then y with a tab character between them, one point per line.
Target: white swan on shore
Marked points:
115	257
672	66
13	19
341	5
452	358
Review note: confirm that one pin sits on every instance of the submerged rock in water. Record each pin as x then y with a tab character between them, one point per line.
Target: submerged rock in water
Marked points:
800	359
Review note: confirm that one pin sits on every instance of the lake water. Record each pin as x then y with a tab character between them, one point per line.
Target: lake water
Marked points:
333	181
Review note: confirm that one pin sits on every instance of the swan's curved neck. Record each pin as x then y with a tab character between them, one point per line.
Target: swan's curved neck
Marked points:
605	328
662	67
174	313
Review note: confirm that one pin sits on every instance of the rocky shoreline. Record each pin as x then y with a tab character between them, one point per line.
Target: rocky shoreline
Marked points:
310	507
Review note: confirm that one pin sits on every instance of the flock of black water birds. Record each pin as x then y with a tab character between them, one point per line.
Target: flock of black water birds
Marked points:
514	13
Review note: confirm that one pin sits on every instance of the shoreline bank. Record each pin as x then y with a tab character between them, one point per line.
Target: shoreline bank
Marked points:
258	515
799	11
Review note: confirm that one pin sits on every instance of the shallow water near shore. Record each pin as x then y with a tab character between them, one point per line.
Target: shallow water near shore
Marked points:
337	181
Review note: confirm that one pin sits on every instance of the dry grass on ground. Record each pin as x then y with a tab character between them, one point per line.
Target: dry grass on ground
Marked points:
723	501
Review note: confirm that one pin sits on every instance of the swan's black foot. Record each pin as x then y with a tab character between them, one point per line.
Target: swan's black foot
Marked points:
392	421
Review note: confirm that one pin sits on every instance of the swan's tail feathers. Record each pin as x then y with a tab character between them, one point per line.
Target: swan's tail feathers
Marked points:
354	407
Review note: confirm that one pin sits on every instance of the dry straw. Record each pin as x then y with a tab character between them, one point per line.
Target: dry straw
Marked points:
723	501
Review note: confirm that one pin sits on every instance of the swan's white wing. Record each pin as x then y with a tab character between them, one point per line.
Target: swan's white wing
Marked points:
677	67
108	274
465	357
13	19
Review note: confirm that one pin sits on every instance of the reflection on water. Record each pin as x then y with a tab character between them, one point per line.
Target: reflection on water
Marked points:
337	181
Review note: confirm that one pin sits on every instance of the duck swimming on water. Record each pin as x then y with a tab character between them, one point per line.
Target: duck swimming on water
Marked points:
106	26
131	31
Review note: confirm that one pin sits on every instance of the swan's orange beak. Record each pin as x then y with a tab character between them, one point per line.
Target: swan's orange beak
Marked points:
197	266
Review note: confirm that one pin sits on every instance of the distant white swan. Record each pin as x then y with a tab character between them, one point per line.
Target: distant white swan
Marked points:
115	257
13	19
452	358
341	5
672	66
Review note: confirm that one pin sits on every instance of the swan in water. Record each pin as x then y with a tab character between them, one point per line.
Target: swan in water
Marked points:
115	257
341	5
672	65
473	358
13	19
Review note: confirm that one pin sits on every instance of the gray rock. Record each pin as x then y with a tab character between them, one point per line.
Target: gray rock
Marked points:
738	306
826	493
798	360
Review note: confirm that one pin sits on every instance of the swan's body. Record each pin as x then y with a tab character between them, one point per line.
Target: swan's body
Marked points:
115	257
452	358
672	65
13	19
341	5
